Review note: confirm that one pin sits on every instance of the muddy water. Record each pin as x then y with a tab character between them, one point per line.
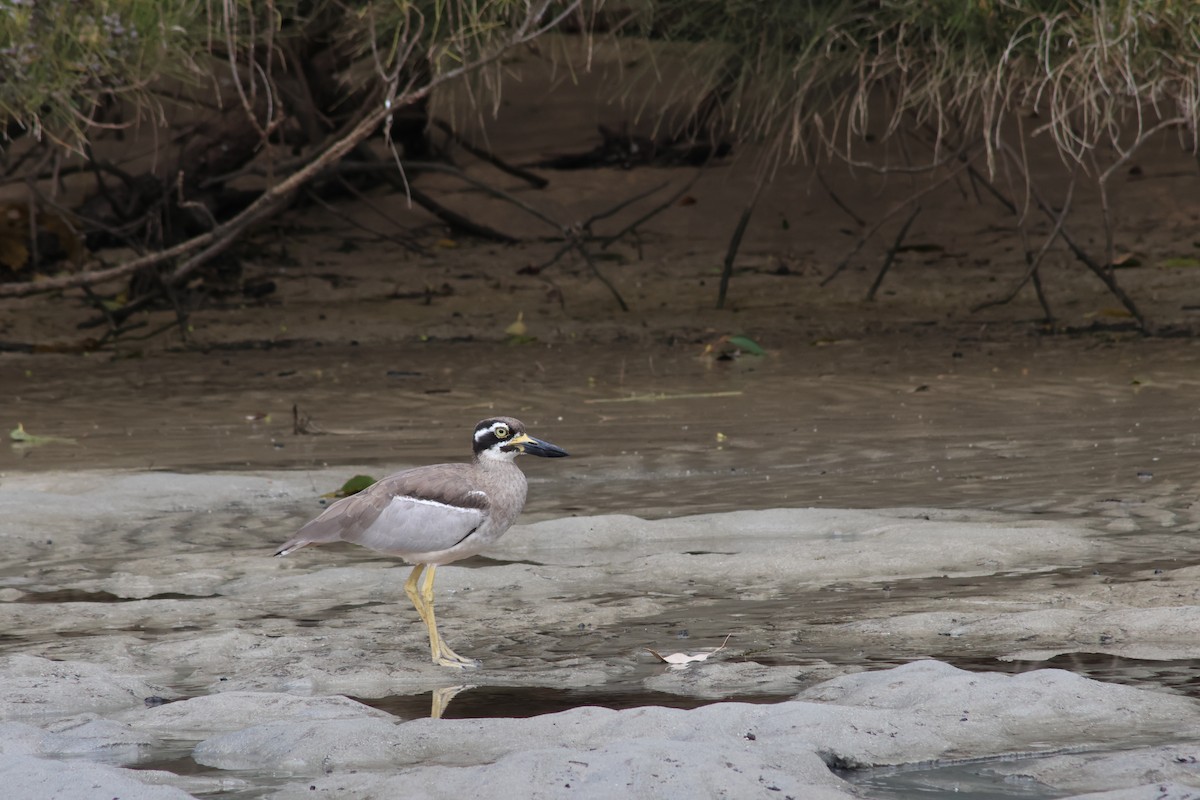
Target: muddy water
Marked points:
1064	428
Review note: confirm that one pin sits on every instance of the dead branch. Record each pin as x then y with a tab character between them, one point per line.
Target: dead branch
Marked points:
1034	261
458	221
536	181
652	213
600	276
362	226
966	158
837	201
1105	275
1105	210
735	242
204	246
892	251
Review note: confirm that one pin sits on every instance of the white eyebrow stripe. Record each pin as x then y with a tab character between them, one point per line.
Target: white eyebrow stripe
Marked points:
435	503
479	434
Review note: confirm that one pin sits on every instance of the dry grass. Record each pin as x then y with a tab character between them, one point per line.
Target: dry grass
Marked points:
810	77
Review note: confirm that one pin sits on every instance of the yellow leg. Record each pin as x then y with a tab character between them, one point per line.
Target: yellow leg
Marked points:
414	594
442	654
422	600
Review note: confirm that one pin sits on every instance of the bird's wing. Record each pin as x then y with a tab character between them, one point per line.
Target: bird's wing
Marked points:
421	510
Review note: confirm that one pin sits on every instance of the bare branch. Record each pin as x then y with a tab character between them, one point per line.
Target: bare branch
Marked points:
206	245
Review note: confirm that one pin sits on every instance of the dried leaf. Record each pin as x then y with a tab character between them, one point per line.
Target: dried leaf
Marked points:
23	438
518	328
681	659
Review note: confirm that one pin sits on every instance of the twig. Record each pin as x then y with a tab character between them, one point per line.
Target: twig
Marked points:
892	251
181	316
458	221
32	212
314	197
654	212
596	271
536	181
1105	211
209	244
398	179
458	173
622	205
1034	261
1099	271
1047	314
735	242
837	201
567	247
913	198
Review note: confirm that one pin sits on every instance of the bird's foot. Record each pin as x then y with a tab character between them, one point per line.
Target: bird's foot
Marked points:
446	657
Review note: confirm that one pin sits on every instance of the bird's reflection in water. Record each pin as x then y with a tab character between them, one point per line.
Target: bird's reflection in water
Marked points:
443	696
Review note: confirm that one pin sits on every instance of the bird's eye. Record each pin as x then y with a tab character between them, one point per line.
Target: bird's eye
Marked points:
501	431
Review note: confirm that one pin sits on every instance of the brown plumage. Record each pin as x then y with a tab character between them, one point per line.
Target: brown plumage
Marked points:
437	514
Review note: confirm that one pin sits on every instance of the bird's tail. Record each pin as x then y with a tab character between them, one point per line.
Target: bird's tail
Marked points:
291	546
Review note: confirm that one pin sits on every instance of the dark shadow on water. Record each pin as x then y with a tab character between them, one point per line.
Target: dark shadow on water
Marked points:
521	702
81	596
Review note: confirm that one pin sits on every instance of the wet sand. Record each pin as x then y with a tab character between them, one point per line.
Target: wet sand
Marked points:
1013	507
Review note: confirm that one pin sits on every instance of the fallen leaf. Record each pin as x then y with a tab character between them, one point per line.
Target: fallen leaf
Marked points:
746	344
352	486
681	659
23	438
518	328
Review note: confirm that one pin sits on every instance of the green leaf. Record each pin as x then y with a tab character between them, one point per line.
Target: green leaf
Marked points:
1180	263
747	345
352	486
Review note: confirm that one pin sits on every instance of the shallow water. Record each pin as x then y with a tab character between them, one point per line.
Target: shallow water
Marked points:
1073	426
1069	428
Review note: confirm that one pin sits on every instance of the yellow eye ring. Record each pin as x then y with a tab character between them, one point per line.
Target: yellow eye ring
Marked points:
501	431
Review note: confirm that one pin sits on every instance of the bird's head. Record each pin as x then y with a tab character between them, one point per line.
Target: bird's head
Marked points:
504	438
